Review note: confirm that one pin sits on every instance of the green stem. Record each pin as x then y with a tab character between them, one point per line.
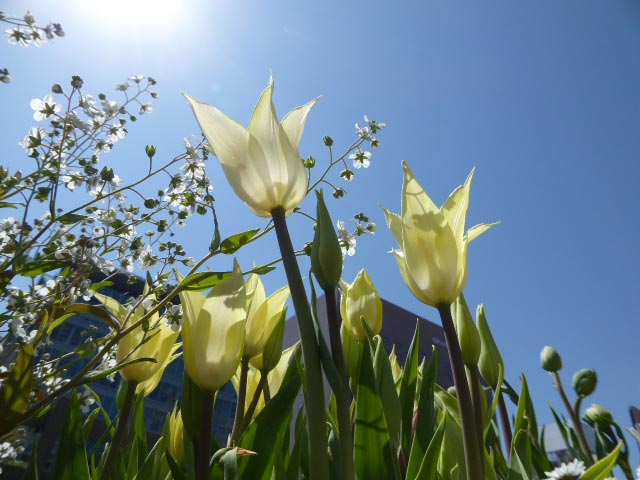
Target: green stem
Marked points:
254	401
574	418
267	393
341	393
242	395
314	389
469	436
122	429
203	454
506	424
476	399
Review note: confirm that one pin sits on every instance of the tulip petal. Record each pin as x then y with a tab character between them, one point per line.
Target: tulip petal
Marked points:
394	222
113	306
294	121
408	279
285	177
476	231
455	208
213	340
428	243
260	325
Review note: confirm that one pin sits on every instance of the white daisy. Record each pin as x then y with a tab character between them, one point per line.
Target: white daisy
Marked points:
567	471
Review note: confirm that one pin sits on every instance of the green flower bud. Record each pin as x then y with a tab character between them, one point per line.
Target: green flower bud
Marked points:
352	351
468	335
490	361
585	381
550	359
598	415
326	255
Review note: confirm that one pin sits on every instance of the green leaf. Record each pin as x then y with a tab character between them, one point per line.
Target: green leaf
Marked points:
265	433
430	461
525	416
94	310
153	466
69	218
39	267
408	387
230	461
14	394
520	466
192	408
234	242
426	422
96	375
8	205
373	454
300	439
71	461
206	280
388	393
602	469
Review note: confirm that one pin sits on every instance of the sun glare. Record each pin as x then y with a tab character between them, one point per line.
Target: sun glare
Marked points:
142	16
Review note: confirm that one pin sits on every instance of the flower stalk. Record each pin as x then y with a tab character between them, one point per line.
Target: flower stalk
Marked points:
203	453
121	433
342	393
242	394
314	388
467	416
575	419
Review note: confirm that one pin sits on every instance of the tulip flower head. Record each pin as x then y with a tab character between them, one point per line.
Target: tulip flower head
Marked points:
262	162
360	300
153	339
176	437
433	244
263	314
213	331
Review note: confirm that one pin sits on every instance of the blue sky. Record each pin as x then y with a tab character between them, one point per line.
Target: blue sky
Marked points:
541	97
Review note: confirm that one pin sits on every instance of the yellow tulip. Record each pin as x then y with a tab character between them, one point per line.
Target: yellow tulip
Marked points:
213	331
176	437
157	341
433	245
396	369
262	315
360	300
274	379
262	162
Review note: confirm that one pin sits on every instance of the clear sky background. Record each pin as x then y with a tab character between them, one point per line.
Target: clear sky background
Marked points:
541	97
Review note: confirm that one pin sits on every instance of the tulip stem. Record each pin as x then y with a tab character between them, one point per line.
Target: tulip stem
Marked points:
506	424
314	388
476	399
575	419
342	392
122	429
242	395
204	441
469	436
254	401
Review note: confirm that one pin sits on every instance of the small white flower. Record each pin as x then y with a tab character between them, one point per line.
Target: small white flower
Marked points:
567	471
347	241
360	159
146	107
136	78
44	108
123	86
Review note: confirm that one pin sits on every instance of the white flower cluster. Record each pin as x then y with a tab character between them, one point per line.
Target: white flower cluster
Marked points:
9	230
192	188
26	32
9	451
348	239
368	131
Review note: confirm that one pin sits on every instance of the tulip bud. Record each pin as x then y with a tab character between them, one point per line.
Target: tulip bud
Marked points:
468	335
550	359
598	415
396	369
360	302
352	350
490	361
176	437
585	381
326	255
272	351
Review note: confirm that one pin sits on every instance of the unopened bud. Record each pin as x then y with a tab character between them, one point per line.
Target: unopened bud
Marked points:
490	362
585	381
56	88
550	359
468	335
598	415
326	255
